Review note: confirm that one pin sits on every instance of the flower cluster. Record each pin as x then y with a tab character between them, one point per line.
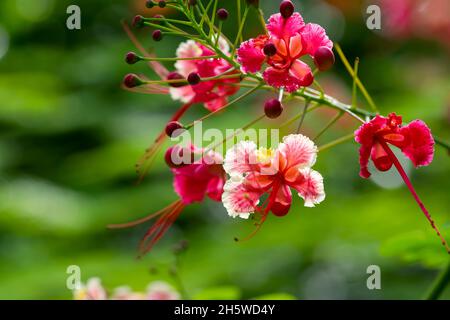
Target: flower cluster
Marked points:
209	69
94	290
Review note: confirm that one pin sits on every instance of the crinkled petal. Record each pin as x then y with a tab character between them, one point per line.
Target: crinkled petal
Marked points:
250	57
298	150
420	143
285	28
314	36
238	200
281	78
309	186
241	158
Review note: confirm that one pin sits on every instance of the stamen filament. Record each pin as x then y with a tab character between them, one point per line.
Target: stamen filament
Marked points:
408	183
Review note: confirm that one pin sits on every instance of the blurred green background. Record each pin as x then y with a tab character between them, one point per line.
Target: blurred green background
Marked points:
70	136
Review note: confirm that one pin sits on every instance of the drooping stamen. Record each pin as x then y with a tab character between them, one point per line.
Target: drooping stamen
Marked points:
144	219
157	230
144	164
408	183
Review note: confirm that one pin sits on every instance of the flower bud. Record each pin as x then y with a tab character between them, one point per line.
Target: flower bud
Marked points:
138	21
172	127
222	14
192	3
273	108
149	4
270	50
286	9
132	58
193	78
324	58
157	35
131	80
162	4
176	76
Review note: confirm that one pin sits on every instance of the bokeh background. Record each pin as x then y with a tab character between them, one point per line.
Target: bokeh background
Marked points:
70	136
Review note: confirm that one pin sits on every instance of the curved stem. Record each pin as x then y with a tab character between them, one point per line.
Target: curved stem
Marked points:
439	285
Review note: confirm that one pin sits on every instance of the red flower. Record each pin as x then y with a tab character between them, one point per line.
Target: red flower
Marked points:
287	41
414	140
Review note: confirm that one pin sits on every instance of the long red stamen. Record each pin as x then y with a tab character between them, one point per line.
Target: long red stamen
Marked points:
155	233
145	219
408	183
144	164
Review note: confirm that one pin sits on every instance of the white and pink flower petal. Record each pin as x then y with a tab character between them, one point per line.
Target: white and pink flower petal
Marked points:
188	49
310	187
241	158
298	150
238	200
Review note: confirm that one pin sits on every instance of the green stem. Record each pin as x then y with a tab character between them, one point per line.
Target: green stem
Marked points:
356	79
439	285
336	142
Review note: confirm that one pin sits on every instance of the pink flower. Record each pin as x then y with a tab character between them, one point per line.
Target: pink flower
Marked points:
204	177
256	172
292	39
414	140
159	290
193	181
213	94
93	290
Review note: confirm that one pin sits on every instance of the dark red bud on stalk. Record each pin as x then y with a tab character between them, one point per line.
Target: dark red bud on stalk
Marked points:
192	2
157	35
172	127
222	14
270	49
286	8
273	108
149	4
162	4
324	58
132	58
138	21
131	80
176	76
193	78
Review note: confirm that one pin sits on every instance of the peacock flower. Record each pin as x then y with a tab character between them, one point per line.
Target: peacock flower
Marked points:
288	40
213	93
257	172
414	140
